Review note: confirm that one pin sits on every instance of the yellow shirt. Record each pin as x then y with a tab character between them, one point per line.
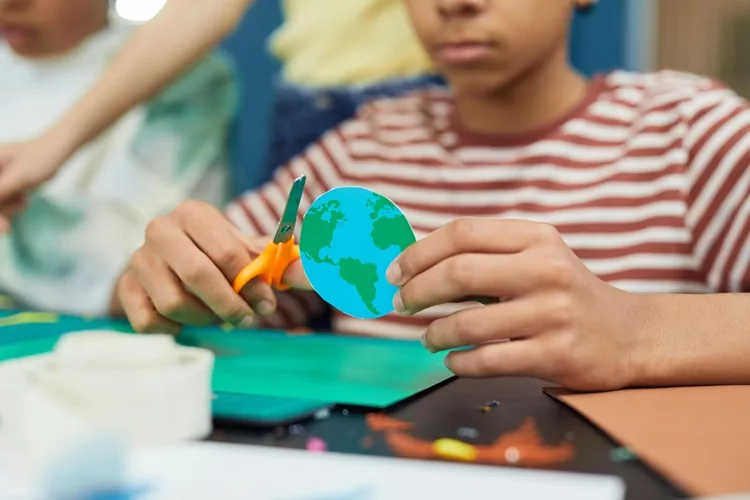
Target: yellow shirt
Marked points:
338	42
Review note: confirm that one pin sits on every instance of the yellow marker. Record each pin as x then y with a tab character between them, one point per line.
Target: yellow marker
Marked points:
454	450
29	318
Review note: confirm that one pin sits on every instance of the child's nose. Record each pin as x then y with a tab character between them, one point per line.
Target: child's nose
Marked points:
450	8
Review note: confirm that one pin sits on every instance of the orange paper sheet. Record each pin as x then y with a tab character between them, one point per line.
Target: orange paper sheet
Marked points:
696	437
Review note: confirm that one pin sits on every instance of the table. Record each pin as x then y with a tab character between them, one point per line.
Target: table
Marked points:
440	412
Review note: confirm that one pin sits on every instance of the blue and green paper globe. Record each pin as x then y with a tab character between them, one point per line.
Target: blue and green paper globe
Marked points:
349	237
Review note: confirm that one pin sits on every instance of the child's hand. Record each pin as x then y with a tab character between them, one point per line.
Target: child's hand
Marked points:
23	167
8	210
564	324
182	274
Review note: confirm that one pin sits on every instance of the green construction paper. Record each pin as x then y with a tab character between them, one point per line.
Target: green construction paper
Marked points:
322	367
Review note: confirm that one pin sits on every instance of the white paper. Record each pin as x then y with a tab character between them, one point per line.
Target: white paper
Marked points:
240	472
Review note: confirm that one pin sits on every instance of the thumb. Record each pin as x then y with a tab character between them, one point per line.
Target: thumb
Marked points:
295	276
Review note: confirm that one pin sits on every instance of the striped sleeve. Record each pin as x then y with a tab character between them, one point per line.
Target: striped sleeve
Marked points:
718	191
257	213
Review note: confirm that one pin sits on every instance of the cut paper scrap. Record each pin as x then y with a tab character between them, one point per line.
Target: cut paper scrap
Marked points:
523	446
349	237
378	422
697	437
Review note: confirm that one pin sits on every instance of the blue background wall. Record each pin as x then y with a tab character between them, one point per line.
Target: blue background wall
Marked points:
600	37
599	43
257	70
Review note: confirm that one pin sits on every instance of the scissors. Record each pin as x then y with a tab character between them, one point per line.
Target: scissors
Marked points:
281	252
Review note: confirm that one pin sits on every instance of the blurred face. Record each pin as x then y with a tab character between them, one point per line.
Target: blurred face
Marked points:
42	28
484	45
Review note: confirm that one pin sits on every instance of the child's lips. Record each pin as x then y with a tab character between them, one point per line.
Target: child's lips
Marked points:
463	52
15	35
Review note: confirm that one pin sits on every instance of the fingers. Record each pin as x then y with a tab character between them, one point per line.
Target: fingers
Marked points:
8	210
13	205
254	245
197	272
214	235
15	179
468	236
187	265
167	294
469	275
13	183
516	358
217	238
26	165
479	325
295	277
141	313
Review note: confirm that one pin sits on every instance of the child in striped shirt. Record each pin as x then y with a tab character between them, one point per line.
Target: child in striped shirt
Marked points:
610	215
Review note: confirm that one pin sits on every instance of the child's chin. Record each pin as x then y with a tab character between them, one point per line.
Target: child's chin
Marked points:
24	49
32	51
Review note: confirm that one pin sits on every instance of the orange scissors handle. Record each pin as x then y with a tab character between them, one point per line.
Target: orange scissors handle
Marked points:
270	266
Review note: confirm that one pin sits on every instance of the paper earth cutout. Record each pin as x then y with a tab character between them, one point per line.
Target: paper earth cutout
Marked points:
349	237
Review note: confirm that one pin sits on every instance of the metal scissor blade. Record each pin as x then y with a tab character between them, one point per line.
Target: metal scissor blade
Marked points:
289	218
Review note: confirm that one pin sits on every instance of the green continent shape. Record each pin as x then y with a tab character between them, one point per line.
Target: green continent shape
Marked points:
363	276
389	228
390	231
319	229
377	203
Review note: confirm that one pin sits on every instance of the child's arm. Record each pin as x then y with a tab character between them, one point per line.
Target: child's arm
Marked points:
183	273
71	242
569	327
558	321
177	37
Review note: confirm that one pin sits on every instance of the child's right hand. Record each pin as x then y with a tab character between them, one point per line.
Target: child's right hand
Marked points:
24	167
183	272
13	161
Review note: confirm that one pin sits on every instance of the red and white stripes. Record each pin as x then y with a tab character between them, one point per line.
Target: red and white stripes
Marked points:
647	180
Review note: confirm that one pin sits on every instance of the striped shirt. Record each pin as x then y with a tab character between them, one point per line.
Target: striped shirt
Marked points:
647	180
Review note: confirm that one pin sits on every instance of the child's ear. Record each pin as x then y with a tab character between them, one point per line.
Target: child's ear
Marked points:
585	5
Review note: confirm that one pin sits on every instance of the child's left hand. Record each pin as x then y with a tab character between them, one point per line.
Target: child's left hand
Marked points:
564	324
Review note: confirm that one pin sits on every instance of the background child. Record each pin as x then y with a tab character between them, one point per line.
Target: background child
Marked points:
74	236
336	55
597	205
